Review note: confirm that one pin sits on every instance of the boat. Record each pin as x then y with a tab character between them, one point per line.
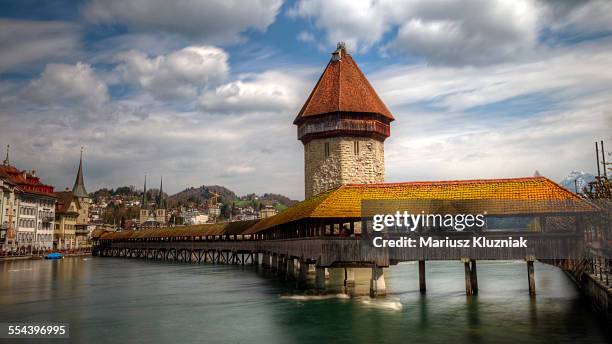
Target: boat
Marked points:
54	255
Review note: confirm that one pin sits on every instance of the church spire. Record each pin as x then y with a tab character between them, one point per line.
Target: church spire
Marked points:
79	184
143	204
6	161
160	197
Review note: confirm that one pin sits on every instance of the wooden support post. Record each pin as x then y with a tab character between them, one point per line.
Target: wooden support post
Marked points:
282	265
530	275
303	276
290	268
378	286
468	279
349	277
422	283
274	261
320	277
255	258
473	277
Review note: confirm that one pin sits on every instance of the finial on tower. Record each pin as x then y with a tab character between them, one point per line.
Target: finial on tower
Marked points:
6	161
339	52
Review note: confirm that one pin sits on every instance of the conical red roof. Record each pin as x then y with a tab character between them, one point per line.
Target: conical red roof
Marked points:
343	88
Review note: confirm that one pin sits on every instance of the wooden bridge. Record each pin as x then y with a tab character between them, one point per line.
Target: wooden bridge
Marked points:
332	230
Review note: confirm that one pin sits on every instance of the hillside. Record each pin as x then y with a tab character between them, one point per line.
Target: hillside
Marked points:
202	194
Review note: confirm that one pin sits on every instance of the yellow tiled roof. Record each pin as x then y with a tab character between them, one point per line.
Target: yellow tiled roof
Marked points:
508	197
532	195
224	228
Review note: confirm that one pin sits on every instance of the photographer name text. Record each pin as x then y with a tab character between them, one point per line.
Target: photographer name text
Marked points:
431	242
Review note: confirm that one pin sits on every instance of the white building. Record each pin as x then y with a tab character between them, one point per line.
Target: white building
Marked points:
194	217
28	209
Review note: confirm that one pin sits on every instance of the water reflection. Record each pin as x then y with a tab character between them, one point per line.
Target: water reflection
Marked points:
117	300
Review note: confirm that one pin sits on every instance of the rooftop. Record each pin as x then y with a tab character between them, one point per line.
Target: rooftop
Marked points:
343	88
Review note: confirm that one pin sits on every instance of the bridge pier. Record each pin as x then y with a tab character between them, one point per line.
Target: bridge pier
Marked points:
471	277
378	287
282	265
274	264
349	277
255	258
303	274
290	273
320	277
422	282
531	275
265	262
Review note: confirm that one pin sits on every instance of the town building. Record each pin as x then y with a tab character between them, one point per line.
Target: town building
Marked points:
267	211
82	230
72	227
8	208
194	217
28	209
66	214
343	126
153	214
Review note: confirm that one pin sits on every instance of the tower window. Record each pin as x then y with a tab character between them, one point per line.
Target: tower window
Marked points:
327	149
356	147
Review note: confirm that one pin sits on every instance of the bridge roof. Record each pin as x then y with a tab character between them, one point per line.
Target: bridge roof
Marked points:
502	197
223	228
532	196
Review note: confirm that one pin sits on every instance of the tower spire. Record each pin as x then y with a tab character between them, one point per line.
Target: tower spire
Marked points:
144	194
160	197
6	161
79	185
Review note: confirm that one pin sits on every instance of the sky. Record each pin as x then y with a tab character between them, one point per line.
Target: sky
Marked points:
205	92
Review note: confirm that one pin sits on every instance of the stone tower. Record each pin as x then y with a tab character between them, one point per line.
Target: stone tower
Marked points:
343	126
144	206
160	210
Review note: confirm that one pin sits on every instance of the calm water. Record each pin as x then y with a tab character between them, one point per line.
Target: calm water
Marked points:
113	300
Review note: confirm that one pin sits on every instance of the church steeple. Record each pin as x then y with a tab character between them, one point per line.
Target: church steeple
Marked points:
6	161
160	198
79	185
143	204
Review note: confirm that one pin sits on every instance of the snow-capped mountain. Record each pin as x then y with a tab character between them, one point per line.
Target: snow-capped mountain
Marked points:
582	180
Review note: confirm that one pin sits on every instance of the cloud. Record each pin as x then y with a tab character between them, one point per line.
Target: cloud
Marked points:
67	85
564	75
470	32
474	32
24	42
180	74
213	21
358	23
505	120
579	17
270	91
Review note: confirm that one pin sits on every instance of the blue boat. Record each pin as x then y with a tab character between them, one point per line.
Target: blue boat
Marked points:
54	255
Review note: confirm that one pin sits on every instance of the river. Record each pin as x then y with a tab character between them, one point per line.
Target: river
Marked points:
115	300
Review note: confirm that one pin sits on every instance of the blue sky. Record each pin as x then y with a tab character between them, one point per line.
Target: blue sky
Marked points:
204	92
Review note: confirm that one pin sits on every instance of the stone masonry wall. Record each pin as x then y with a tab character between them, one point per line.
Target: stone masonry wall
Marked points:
342	166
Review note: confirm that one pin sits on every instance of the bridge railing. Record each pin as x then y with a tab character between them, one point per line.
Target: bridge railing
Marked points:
600	262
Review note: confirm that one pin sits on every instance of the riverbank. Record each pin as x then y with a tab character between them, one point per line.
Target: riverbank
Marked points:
37	257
